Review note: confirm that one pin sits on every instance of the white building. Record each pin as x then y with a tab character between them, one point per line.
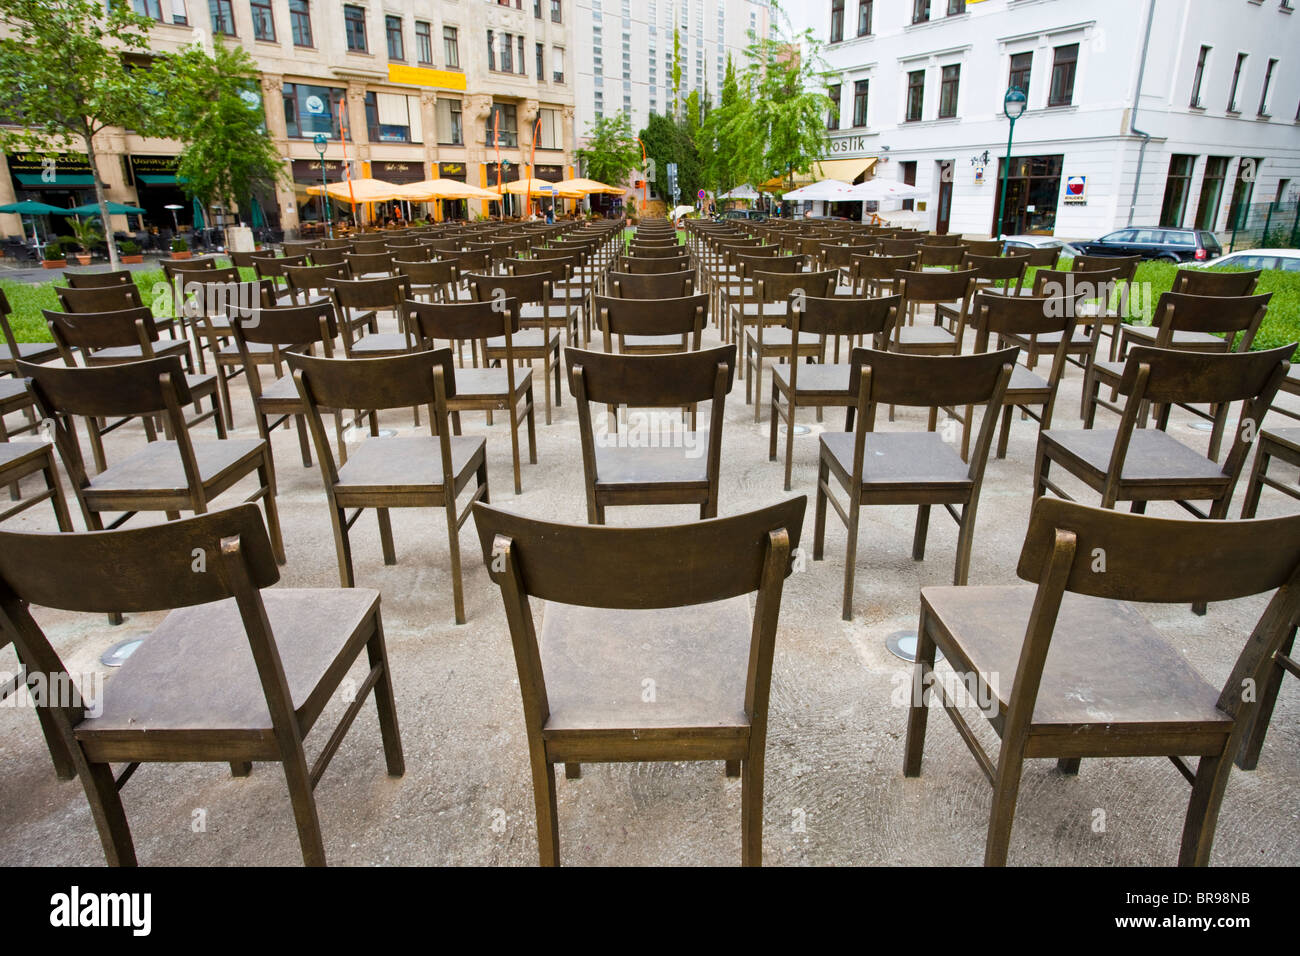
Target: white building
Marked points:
623	52
1215	84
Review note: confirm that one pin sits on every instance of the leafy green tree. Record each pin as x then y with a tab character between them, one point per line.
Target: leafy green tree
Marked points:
779	128
65	74
668	140
611	151
719	167
215	109
677	72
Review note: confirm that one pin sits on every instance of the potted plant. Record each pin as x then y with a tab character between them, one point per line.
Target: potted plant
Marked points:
130	251
55	258
87	236
180	248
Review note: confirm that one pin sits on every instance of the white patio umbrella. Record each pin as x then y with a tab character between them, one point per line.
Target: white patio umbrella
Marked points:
880	190
741	192
828	190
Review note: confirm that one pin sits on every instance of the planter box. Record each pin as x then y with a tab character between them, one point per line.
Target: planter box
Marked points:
82	260
129	260
54	263
181	255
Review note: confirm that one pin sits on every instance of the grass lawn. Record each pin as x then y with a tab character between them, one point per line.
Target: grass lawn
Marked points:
1281	325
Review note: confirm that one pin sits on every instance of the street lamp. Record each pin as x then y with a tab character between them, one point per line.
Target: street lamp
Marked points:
320	142
1013	105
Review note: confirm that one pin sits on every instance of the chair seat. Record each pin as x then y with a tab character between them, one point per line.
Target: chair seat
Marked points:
751	310
1023	380
37	352
673	342
378	344
13	452
195	673
157	467
911	461
1153	455
817	379
14	394
1106	665
1284	438
636	467
201	384
778	336
1047	341
527	339
382	464
555	313
281	390
1147	335
596	660
259	351
129	353
489	383
925	335
1110	371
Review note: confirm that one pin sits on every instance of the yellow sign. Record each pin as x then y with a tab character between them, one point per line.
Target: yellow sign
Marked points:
422	76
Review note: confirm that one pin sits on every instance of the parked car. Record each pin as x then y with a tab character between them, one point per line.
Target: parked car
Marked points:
1156	242
750	214
1040	242
1288	260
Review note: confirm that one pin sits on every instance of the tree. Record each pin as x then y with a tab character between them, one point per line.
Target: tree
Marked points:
65	72
611	151
668	140
215	109
677	72
779	127
713	143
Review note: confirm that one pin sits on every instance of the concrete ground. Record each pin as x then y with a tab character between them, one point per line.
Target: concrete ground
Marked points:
835	790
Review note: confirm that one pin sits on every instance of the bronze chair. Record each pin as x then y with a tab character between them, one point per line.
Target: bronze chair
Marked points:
872	274
401	472
370	264
237	672
506	387
652	326
824	385
12	350
946	256
271	268
561	309
767	309
641	265
1090	676
358	302
100	277
922	469
538	339
1006	273
633	469
1047	257
1111	318
984	247
18	460
327	257
694	632
172	476
306	283
940	290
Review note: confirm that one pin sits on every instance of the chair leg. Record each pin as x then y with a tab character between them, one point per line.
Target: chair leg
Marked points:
1006	786
1068	765
922	529
241	768
851	556
1253	738
548	822
1004	434
751	809
819	524
304	443
532	428
789	433
573	771
266	472
385	703
343	547
546	385
771	437
732	768
919	709
965	539
453	546
1203	810
386	536
1256	483
109	814
304	806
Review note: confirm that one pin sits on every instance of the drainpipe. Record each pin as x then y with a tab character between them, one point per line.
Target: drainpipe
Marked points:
1132	118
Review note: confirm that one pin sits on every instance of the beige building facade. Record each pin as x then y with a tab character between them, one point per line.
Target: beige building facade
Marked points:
401	90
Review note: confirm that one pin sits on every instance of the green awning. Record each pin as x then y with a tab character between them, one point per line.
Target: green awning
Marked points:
158	179
38	180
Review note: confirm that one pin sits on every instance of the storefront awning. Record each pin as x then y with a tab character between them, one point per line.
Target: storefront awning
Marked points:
159	179
60	180
845	170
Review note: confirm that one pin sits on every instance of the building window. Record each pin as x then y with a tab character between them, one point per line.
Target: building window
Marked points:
541	63
920	11
1207	208
550	132
864	17
1178	186
354	23
223	17
860	103
179	16
915	95
1064	61
1242	190
556	12
504	117
263	21
956	6
1199	77
492	51
833	114
424	42
450	48
393	33
149	8
948	84
1236	81
537	9
449	128
388	118
300	22
1268	80
1021	66
837	20
519	48
309	110
507	53
557	64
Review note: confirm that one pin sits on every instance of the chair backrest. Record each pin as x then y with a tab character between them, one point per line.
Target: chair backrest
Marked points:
659	252
108	391
668	285
778	287
109	298
942	255
747	265
1226	315
465	320
1098	284
534	288
315	278
994	267
433	272
174	267
900	247
867	266
412	252
243	259
381	293
90	280
469	261
100	330
1160	561
837	315
947	239
557	270
365	263
1204	282
651	381
983	247
645	266
272	267
684	315
994	315
929	287
327	256
287	326
1127	265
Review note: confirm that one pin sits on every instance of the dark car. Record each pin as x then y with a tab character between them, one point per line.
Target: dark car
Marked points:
1155	242
751	214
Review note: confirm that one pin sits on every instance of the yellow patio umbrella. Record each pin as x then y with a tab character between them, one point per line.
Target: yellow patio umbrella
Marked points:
590	186
360	191
539	187
431	189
